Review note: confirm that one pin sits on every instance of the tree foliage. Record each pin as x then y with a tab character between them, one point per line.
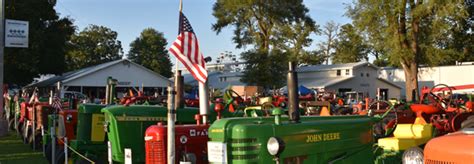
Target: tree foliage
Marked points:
329	31
265	70
312	58
92	46
414	31
48	34
272	28
350	46
150	51
462	42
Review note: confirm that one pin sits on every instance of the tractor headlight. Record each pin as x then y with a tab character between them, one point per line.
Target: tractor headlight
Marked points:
69	118
275	146
413	155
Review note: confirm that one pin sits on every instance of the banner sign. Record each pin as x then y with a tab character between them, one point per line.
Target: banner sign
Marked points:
16	33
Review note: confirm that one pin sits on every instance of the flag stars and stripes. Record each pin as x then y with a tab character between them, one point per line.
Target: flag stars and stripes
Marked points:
186	49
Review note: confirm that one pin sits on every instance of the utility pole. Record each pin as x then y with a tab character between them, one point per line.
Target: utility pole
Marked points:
3	123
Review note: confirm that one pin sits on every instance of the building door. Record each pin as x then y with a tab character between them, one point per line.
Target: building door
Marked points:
342	91
383	93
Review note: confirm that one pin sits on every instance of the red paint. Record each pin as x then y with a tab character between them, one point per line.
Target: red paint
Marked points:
196	143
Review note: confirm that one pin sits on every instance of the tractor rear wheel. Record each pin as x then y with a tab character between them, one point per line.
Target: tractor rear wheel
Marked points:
468	123
19	129
47	153
11	123
37	142
60	156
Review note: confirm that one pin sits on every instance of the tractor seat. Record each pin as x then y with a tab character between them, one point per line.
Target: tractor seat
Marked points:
406	136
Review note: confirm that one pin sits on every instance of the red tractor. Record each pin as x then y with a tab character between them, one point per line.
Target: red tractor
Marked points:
190	141
438	107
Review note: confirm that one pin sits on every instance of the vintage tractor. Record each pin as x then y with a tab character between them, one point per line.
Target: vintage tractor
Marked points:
190	140
455	147
309	139
126	126
443	114
84	131
190	143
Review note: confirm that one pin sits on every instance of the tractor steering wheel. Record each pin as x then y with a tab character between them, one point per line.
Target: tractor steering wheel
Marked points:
389	121
233	96
444	99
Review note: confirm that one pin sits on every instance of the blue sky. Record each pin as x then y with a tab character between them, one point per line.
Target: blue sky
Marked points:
129	17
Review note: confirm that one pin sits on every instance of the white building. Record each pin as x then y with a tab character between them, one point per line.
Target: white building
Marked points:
217	79
359	77
351	77
92	80
430	76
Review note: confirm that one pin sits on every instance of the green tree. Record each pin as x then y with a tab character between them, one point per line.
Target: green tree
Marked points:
273	67
48	34
273	29
294	36
92	46
150	51
327	47
462	42
350	46
411	30
312	58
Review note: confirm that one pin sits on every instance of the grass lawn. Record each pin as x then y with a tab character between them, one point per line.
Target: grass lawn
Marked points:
13	151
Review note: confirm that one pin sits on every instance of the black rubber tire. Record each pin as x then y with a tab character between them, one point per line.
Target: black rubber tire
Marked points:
468	123
19	129
24	133
11	124
60	156
38	141
48	152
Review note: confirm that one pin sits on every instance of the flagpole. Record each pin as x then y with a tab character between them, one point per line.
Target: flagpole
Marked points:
171	155
177	62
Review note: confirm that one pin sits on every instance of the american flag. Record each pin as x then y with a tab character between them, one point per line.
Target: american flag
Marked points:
186	49
57	104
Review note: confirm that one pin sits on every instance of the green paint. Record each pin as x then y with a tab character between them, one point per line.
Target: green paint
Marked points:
341	139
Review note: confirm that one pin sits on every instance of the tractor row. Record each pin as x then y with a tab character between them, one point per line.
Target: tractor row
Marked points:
288	131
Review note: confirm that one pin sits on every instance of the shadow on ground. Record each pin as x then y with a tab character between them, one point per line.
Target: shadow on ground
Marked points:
13	151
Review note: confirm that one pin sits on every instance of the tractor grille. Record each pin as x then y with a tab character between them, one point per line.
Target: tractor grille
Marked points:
430	161
246	149
155	152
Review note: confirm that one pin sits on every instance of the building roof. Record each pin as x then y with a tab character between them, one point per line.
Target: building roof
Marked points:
231	74
389	82
189	79
322	82
71	75
312	68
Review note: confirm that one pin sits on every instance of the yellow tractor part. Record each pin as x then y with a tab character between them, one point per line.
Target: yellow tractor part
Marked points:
406	136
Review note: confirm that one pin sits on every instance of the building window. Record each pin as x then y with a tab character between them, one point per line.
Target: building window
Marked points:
367	74
347	72
338	73
361	74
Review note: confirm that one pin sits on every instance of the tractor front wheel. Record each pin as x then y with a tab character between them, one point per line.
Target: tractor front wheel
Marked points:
468	123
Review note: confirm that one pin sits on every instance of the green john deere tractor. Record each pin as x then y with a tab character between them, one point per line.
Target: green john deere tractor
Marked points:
309	139
126	126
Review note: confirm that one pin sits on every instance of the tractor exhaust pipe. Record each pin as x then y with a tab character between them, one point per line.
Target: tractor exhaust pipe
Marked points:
292	80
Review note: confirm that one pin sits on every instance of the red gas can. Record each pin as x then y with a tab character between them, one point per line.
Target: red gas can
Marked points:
190	141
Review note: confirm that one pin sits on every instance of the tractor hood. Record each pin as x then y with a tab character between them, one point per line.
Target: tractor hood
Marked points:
455	147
